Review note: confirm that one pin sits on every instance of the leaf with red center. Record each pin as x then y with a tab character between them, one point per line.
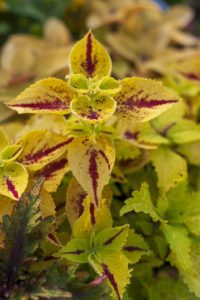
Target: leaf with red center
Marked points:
92	219
41	147
75	202
91	162
95	109
76	250
13	180
88	57
117	278
112	238
49	95
53	173
143	99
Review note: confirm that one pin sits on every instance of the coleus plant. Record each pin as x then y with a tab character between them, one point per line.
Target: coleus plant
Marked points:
97	103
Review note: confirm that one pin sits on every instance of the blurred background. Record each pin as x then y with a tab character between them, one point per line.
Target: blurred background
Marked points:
143	37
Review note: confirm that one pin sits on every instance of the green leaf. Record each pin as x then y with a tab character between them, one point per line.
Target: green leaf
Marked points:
10	153
78	82
76	250
166	287
112	238
184	207
185	255
141	202
109	85
170	167
191	152
135	247
185	131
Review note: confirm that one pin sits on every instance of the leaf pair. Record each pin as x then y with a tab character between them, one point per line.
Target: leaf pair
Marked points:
97	243
13	175
136	98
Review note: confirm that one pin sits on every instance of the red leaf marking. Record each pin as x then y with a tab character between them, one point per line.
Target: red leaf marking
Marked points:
89	65
94	173
11	188
131	135
110	240
57	104
76	252
92	215
105	157
111	279
34	157
49	170
132	249
191	76
133	102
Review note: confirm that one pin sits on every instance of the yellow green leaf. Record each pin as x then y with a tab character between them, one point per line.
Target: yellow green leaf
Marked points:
88	57
78	82
13	180
170	173
109	85
51	95
40	147
91	161
3	139
10	153
143	99
95	109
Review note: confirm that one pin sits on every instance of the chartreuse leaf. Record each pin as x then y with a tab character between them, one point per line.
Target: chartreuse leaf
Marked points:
93	109
109	85
112	238
91	160
13	180
166	287
191	152
185	131
78	82
170	167
76	250
141	202
49	95
184	207
10	153
185	253
89	58
143	99
40	147
135	247
3	139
